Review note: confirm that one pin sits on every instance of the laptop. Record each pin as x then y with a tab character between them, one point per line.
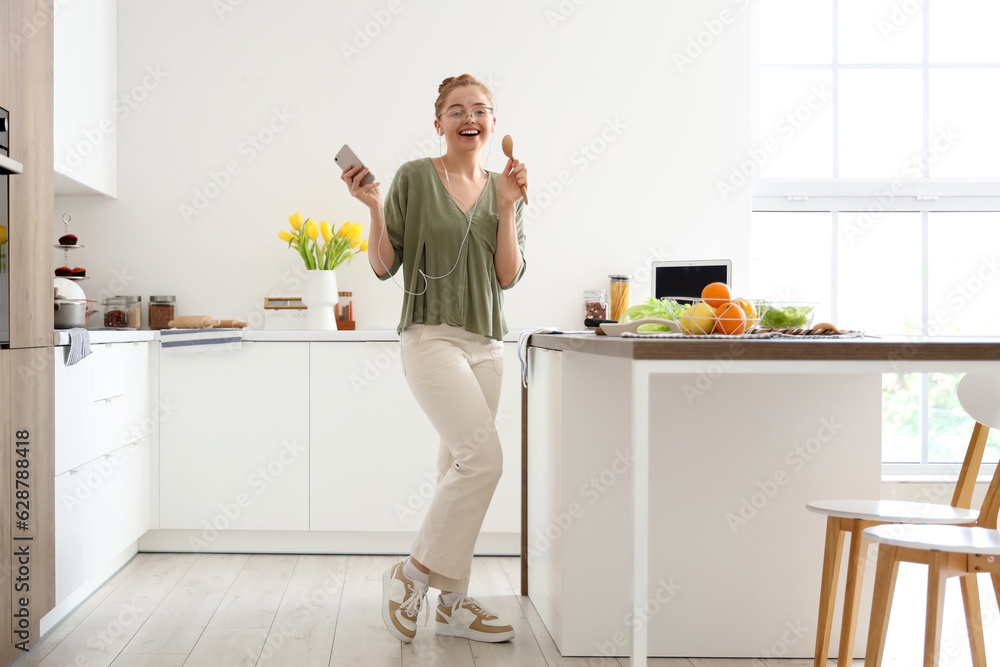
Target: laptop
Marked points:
687	278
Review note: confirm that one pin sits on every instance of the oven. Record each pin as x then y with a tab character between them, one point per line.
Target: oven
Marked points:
8	167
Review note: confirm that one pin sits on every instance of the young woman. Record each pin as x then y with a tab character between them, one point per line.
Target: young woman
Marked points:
456	231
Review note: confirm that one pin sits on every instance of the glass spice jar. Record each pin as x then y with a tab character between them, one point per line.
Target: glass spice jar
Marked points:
134	312
161	311
116	312
595	304
620	300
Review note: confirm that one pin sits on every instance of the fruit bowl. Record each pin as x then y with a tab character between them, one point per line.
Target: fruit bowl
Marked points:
695	316
788	314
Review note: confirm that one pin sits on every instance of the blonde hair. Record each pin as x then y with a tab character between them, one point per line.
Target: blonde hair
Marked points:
453	82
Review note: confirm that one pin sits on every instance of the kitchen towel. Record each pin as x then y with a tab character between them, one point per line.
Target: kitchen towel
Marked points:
522	346
79	345
201	340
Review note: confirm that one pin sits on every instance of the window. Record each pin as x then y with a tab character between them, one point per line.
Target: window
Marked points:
876	186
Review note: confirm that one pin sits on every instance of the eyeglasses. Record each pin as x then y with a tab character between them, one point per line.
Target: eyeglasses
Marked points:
458	113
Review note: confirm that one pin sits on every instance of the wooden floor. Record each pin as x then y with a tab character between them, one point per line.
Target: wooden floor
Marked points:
237	610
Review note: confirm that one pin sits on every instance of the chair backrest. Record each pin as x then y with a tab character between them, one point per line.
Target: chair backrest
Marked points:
979	394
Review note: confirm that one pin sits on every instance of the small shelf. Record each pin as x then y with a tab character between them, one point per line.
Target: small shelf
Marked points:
74	277
70	247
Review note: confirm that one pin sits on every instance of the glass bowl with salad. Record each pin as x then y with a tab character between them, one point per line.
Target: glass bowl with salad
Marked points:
789	315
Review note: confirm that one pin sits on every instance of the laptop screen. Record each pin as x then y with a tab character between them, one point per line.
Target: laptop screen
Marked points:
687	279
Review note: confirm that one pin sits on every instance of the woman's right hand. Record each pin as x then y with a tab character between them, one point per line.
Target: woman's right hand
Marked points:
368	195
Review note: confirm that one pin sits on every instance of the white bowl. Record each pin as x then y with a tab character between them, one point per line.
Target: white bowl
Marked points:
67	289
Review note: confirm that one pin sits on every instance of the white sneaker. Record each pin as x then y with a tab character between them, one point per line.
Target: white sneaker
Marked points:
402	600
468	618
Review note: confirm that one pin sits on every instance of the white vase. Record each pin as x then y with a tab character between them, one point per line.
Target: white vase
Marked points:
320	297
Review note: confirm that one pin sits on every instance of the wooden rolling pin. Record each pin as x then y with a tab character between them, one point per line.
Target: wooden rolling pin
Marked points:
193	322
204	322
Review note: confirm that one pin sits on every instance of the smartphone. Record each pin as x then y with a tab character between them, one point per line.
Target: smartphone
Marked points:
346	158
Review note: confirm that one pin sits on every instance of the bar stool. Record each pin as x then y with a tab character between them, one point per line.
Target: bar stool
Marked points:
948	551
852	517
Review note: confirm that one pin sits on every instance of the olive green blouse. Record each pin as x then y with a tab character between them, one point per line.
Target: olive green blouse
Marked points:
427	230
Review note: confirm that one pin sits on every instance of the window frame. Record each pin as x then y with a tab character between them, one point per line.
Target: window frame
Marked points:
836	195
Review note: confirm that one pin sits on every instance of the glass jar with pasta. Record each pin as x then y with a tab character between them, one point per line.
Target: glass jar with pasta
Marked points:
620	302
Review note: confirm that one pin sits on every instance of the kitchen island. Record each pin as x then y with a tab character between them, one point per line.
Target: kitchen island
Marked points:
666	482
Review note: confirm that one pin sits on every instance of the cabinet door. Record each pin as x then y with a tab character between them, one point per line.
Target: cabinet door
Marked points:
234	452
73	397
132	422
84	67
374	452
110	372
74	529
107	475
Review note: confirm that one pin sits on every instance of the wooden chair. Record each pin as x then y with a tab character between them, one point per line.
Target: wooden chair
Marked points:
852	517
948	551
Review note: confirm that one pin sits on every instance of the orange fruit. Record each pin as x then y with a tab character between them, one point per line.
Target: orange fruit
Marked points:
716	294
731	320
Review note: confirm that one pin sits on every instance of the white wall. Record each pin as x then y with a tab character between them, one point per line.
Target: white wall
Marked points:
564	73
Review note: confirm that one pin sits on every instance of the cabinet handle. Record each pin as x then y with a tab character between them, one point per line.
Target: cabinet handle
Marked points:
74	471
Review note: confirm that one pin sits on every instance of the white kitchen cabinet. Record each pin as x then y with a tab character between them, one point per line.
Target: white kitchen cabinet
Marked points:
101	403
87	104
109	374
107	474
74	531
102	462
136	422
234	452
72	411
373	452
102	507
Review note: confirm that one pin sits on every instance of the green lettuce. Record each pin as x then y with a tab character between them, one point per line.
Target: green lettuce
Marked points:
664	309
783	318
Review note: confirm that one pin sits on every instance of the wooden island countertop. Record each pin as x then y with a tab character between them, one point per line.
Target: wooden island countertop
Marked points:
894	348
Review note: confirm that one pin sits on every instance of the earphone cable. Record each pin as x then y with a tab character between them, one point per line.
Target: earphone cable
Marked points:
468	230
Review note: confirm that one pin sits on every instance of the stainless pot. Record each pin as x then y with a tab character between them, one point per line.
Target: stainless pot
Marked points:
70	313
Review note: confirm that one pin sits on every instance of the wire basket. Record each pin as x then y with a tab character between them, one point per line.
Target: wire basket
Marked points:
696	317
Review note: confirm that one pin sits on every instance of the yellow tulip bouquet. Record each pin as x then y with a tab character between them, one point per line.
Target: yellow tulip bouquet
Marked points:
335	248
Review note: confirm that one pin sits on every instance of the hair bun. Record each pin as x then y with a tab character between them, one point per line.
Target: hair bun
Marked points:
461	79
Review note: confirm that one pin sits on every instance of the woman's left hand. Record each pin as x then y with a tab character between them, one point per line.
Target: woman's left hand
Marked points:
514	175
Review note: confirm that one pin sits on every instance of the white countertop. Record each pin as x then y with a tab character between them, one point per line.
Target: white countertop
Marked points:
362	335
61	337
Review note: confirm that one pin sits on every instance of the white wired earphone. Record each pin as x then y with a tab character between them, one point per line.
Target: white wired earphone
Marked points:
469	216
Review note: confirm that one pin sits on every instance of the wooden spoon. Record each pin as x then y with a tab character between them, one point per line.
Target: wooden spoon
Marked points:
507	144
